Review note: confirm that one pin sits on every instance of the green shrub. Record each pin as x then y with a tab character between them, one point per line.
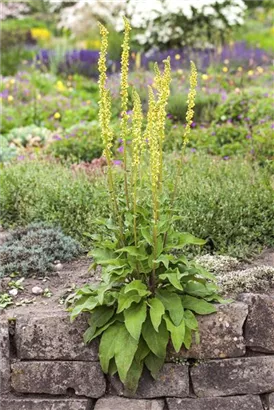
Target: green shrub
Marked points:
34	249
29	136
7	152
230	203
81	142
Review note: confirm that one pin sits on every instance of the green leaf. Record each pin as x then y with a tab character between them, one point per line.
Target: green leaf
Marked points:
147	234
142	351
107	345
197	289
154	364
172	302
133	376
177	333
180	240
126	300
199	306
156	341
99	317
138	286
125	349
190	320
133	251
156	312
102	255
86	303
172	277
188	338
134	319
112	368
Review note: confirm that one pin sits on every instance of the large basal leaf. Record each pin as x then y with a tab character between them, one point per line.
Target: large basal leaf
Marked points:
99	317
146	232
177	333
125	349
173	278
197	289
134	318
126	300
156	341
138	286
199	306
173	304
190	320
142	351
102	256
154	364
180	240
188	338
86	303
156	312
133	376
107	345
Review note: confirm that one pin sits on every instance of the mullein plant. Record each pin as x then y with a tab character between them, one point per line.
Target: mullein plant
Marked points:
148	296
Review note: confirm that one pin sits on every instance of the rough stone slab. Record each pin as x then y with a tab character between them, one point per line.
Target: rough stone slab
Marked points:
117	403
250	375
173	380
271	401
217	403
221	334
4	356
84	378
45	404
52	336
259	329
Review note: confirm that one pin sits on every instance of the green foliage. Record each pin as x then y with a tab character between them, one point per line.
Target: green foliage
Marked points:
32	250
7	153
29	136
81	142
229	202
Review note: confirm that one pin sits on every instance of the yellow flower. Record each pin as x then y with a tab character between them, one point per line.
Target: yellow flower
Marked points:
137	140
38	97
190	102
57	115
10	98
177	56
60	86
250	72
124	81
240	69
225	69
12	81
70	89
40	33
205	77
180	71
260	69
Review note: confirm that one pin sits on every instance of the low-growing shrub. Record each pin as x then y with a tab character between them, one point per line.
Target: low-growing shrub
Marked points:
33	250
81	142
29	136
230	203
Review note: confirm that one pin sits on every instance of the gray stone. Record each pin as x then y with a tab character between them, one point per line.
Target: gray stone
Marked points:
52	336
5	357
221	334
45	404
259	329
250	375
217	403
173	380
271	401
117	403
81	378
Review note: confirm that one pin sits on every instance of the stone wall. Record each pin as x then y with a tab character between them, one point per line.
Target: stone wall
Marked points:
46	366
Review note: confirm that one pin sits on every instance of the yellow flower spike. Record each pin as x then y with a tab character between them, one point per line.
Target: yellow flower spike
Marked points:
124	98
137	120
190	102
105	101
151	136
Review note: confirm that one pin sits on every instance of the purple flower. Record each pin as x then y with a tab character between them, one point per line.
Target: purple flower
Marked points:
117	162
169	116
226	157
121	149
57	137
272	126
21	157
193	150
248	136
193	125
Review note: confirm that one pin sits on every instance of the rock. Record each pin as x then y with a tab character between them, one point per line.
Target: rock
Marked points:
13	292
117	403
58	266
51	337
36	290
173	380
259	329
271	401
4	355
250	375
221	334
46	404
217	403
58	378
